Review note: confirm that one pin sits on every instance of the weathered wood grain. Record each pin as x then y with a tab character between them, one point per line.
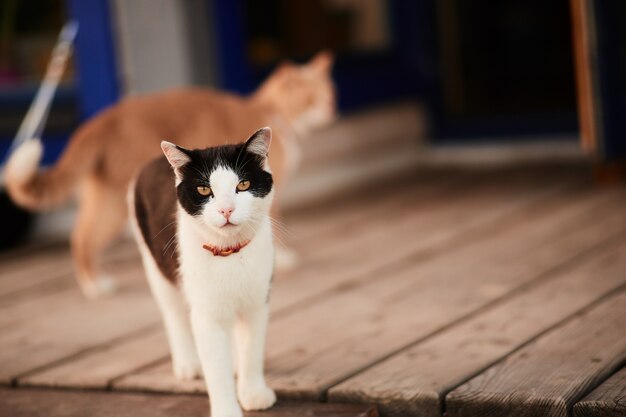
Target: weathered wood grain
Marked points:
548	375
100	367
415	381
35	334
321	343
54	403
607	400
318	345
379	245
321	219
128	276
158	378
47	271
29	248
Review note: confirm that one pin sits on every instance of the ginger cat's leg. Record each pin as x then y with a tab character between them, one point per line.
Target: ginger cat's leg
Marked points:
102	214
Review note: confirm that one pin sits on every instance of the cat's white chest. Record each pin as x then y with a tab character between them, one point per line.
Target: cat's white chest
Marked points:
226	286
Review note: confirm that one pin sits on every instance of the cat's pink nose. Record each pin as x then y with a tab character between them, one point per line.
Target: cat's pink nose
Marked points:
226	212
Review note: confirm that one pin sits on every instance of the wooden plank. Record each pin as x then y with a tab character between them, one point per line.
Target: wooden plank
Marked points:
471	211
322	218
49	285
102	365
54	403
346	223
52	269
22	272
607	400
548	375
363	132
37	334
129	277
435	187
30	248
415	381
314	229
319	344
158	378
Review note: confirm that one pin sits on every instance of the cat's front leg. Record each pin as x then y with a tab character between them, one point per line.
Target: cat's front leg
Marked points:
253	392
213	342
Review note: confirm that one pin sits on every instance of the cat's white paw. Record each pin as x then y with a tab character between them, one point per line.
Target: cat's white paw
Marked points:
187	369
286	259
256	397
98	287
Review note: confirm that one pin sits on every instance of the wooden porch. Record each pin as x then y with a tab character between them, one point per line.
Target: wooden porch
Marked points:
470	293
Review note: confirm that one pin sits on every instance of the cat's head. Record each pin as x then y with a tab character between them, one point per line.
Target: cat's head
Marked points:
304	94
226	189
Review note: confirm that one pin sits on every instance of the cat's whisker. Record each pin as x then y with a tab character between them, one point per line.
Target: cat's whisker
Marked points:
282	227
280	236
282	232
169	243
174	251
166	226
279	240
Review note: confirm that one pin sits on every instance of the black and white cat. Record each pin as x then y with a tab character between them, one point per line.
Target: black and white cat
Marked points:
202	223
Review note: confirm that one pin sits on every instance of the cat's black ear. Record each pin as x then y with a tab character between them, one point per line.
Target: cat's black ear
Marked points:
177	156
259	142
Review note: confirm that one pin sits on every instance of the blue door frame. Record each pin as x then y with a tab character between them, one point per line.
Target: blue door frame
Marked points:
97	74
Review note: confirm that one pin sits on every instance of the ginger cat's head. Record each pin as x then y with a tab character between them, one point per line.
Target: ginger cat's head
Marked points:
304	94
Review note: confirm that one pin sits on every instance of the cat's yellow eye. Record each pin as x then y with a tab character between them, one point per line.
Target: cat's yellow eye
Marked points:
243	185
204	190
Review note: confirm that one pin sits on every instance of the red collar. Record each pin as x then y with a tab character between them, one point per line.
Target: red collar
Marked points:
217	251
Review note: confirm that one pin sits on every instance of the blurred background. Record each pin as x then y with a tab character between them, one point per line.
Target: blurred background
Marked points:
418	82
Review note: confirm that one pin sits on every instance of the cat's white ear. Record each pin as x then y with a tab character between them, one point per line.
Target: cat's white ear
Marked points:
259	143
176	156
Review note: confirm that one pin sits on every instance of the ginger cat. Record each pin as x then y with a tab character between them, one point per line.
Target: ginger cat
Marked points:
106	152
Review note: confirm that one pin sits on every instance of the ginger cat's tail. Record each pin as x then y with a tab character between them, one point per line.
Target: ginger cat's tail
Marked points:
43	189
